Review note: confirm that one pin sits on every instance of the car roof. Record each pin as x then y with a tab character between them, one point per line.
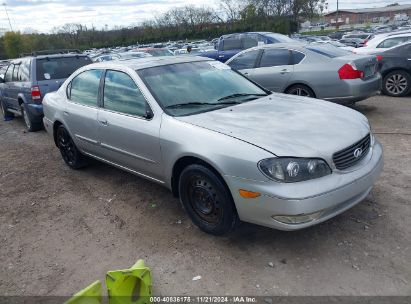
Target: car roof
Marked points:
51	56
280	45
148	62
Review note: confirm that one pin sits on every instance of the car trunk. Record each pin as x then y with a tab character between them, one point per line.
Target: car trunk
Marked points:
365	63
47	86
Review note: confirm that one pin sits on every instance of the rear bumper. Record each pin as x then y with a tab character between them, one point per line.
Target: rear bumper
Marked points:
35	112
357	90
310	198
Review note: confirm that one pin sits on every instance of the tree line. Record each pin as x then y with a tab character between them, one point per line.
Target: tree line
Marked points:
180	23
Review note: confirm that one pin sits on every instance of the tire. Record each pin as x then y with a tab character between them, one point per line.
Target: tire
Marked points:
396	84
207	200
68	150
300	90
4	112
28	119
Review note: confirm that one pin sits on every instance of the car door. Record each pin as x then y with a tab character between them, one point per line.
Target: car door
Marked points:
274	69
80	112
5	92
245	62
14	86
129	133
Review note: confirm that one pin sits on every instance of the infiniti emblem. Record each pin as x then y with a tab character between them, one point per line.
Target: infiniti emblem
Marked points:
357	152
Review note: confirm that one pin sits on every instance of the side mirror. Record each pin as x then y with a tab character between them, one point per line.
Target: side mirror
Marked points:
149	114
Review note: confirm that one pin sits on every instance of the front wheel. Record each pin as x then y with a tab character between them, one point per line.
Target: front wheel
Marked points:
207	200
397	84
300	90
4	112
71	155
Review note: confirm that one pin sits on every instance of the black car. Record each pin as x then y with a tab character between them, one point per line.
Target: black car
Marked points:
395	68
27	79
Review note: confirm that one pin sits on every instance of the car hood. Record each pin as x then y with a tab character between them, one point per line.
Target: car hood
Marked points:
287	125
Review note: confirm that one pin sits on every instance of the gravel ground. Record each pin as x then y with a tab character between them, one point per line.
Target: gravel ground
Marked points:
62	229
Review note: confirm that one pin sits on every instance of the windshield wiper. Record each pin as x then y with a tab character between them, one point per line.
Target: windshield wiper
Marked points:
179	105
240	95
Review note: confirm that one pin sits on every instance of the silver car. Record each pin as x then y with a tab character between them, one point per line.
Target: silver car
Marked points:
229	149
321	71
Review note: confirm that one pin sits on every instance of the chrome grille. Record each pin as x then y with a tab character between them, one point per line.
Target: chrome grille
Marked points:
345	158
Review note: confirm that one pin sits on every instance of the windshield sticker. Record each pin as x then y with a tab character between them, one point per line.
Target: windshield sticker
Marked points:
219	65
47	76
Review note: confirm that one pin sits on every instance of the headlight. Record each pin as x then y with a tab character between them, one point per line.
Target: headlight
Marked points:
292	170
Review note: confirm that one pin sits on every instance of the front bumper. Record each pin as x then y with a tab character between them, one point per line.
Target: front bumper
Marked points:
328	196
48	125
357	90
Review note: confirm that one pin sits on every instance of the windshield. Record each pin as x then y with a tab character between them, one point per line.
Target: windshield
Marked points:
279	37
194	87
159	52
336	43
329	51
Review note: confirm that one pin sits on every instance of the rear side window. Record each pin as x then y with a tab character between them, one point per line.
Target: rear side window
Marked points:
249	42
275	57
245	61
297	57
9	73
59	68
84	88
121	94
24	72
16	72
231	44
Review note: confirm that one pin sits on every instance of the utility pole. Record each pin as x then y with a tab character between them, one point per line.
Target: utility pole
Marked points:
336	17
7	14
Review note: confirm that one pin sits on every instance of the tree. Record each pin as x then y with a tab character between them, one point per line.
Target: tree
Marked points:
13	44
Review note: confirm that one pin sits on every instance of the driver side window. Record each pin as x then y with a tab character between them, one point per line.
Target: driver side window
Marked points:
245	61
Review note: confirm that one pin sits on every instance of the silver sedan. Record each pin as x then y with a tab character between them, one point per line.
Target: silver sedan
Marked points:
321	71
229	149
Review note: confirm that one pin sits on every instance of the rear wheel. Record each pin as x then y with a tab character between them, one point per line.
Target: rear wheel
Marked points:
28	119
397	84
71	155
300	90
207	200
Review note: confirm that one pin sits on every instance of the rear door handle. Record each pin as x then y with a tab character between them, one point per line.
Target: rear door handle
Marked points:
245	73
104	122
66	113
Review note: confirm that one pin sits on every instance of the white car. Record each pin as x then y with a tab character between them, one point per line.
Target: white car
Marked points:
383	42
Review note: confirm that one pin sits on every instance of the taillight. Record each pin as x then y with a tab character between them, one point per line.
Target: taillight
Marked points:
379	58
347	71
35	93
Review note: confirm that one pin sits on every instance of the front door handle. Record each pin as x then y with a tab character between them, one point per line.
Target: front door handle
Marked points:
104	122
245	73
285	71
66	113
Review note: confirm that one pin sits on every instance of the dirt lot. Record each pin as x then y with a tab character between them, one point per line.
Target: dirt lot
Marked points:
62	229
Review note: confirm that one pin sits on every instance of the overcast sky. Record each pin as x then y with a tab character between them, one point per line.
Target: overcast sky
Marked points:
43	15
